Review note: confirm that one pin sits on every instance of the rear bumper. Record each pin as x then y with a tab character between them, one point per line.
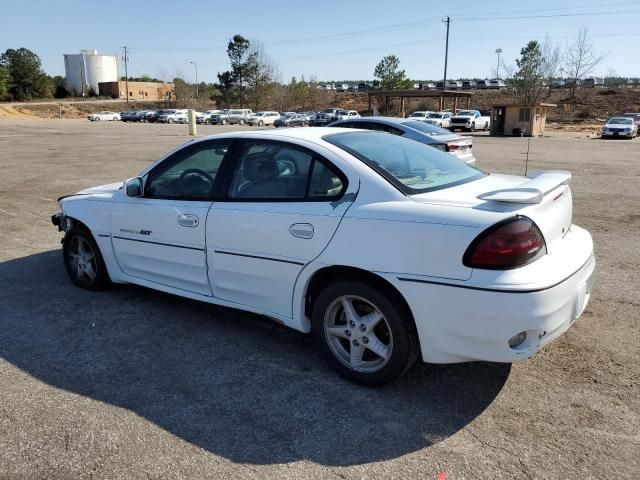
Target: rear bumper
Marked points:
460	323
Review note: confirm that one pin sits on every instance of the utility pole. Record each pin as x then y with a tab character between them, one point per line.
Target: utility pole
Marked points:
126	72
498	51
446	53
196	67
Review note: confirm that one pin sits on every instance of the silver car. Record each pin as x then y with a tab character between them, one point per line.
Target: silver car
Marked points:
239	116
456	145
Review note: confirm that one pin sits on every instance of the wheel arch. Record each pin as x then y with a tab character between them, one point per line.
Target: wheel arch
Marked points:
324	276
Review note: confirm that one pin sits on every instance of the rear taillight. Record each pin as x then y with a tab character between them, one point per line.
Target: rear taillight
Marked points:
509	244
452	147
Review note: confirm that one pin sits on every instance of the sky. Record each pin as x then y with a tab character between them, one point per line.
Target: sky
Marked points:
326	40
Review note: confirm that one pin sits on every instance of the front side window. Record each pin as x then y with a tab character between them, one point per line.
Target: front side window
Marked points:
190	173
274	171
409	165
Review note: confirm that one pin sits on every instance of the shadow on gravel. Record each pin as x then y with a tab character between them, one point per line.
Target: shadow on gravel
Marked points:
233	383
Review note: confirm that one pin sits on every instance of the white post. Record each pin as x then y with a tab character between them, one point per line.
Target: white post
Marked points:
192	123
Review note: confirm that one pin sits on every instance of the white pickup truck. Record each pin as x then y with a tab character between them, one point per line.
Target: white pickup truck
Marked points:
469	120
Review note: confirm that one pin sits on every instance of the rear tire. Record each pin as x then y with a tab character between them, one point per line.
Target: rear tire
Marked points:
223	121
364	333
83	261
241	122
261	123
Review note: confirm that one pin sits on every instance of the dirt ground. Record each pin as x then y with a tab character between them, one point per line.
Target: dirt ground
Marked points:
131	383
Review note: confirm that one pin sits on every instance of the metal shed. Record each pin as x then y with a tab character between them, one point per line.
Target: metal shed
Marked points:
519	119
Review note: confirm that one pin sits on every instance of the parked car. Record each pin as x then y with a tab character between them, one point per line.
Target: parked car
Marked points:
263	118
454	85
219	118
167	116
497	84
592	82
623	127
558	84
347	114
428	86
326	117
205	117
469	85
476	267
292	120
439	119
153	116
181	116
636	118
469	120
420	115
239	116
443	140
140	116
482	84
104	116
126	116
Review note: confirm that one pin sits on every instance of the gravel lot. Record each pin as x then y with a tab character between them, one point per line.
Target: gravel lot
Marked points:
132	383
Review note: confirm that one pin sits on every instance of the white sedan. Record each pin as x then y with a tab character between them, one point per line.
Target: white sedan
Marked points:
386	249
623	127
108	116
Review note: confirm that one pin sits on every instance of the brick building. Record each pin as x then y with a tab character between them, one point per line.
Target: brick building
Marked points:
138	90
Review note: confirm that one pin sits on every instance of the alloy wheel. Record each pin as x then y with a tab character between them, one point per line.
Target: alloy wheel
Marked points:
358	333
82	260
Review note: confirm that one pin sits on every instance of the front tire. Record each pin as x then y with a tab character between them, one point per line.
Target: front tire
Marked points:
261	123
241	122
83	260
224	121
364	333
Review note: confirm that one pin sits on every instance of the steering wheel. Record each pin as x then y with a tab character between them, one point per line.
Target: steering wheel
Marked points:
196	171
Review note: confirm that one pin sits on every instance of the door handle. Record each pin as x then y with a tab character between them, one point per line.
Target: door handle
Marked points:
188	220
301	230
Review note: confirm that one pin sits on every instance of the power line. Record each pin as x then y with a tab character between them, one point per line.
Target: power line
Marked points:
556	15
477	17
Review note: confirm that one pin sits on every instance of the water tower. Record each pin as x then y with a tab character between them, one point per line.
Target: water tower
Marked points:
84	70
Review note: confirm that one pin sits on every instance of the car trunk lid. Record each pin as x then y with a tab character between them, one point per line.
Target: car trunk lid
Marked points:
545	197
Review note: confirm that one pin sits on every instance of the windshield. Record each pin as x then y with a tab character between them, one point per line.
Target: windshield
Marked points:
234	112
434	115
466	112
411	166
417	114
328	110
622	120
259	114
426	128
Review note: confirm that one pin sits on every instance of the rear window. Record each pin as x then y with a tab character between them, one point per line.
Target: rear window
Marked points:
426	128
410	166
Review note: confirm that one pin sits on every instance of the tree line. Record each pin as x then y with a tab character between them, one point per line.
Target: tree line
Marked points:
253	79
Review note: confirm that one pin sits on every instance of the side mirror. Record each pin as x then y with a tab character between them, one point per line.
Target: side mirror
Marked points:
134	187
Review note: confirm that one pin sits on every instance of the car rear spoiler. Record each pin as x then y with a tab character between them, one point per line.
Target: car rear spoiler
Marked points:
531	191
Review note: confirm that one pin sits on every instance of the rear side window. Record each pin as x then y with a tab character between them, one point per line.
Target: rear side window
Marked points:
410	166
276	171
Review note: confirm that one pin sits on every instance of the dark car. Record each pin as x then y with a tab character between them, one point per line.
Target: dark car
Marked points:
469	85
636	118
126	116
326	116
153	115
456	145
295	120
